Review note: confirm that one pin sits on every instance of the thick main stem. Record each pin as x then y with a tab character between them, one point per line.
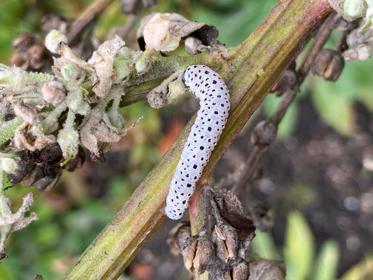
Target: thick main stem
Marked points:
250	71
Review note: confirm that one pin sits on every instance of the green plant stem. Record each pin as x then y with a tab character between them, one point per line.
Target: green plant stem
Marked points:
250	70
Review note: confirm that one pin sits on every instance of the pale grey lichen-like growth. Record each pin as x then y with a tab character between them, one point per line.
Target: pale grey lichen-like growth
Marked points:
62	107
213	94
75	105
9	221
360	40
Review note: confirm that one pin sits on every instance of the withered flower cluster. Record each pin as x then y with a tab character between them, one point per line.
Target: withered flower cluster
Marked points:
359	41
75	106
48	119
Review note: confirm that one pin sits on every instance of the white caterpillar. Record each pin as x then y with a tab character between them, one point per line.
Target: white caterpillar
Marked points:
213	94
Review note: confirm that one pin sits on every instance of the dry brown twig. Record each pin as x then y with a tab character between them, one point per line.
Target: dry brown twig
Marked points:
288	86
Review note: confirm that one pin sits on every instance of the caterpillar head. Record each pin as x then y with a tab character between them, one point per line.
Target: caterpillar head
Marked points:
197	78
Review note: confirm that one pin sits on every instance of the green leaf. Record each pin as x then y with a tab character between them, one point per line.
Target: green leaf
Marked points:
334	100
8	270
234	25
356	82
334	107
264	246
327	261
299	247
361	271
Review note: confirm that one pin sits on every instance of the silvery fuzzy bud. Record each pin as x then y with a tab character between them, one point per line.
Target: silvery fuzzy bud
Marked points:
355	8
53	92
360	52
55	40
27	113
76	103
70	72
8	165
68	138
143	62
123	63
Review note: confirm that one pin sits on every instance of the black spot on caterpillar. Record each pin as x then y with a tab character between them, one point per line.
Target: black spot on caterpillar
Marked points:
213	94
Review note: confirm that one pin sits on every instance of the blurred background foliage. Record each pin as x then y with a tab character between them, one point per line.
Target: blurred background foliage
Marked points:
73	213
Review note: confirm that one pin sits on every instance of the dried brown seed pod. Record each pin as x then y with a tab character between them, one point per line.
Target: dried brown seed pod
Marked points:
264	134
45	183
328	64
20	60
52	21
288	80
53	92
36	56
26	164
50	154
23	42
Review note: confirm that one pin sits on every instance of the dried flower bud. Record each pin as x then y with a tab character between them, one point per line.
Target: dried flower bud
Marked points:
354	8
348	9
53	92
9	165
204	254
51	154
36	56
28	114
175	90
361	52
123	63
288	80
194	45
143	62
103	62
156	99
329	64
23	42
25	164
55	40
70	72
68	138
53	21
20	60
241	271
76	103
264	134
